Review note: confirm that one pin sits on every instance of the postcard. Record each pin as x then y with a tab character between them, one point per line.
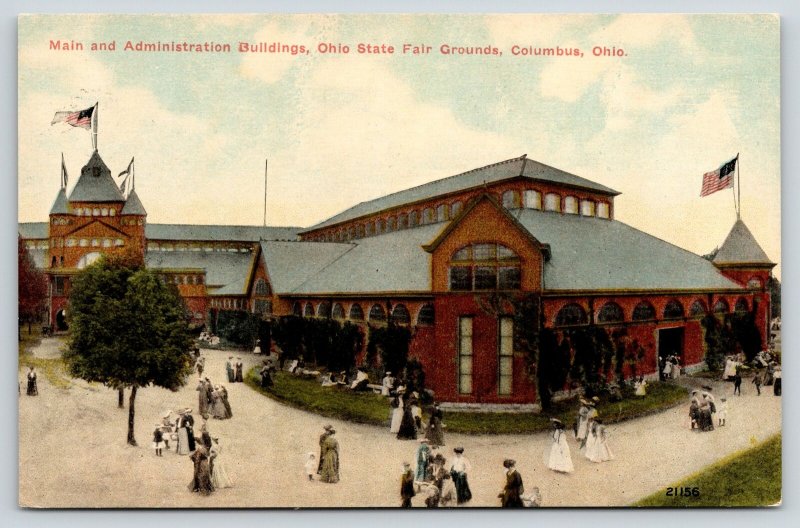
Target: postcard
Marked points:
390	261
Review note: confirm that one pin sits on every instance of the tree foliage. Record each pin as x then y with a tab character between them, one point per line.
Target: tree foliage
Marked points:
128	329
32	287
774	287
325	342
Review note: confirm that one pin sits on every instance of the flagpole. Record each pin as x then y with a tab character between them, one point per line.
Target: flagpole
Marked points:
739	186
94	125
266	165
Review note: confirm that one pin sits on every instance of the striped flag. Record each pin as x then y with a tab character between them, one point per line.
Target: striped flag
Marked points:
722	178
82	118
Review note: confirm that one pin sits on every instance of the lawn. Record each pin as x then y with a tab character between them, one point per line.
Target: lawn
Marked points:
374	409
749	478
52	368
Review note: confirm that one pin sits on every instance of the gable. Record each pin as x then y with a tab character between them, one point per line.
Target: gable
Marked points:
96	228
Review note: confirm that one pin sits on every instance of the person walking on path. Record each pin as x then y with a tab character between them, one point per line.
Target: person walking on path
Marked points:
330	458
722	411
311	465
459	470
219	474
597	449
158	440
33	389
583	422
559	459
737	383
423	459
229	369
511	497
758	380
266	377
407	486
326	431
239	367
408	427
435	430
397	412
777	384
201	481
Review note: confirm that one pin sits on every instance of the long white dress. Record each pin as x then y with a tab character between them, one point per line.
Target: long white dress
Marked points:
219	476
560	459
597	445
583	422
397	416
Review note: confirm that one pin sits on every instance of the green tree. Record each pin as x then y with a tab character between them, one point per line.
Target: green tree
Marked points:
32	288
128	330
774	287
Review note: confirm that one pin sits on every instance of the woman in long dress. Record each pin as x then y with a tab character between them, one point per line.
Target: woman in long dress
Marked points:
560	459
225	403
435	431
583	421
201	482
219	476
217	407
239	369
397	413
599	451
408	427
459	470
33	389
329	458
777	386
423	459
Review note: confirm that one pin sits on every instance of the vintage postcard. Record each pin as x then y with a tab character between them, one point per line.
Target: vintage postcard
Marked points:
303	261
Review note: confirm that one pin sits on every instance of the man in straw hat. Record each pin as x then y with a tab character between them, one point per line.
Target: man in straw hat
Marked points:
511	497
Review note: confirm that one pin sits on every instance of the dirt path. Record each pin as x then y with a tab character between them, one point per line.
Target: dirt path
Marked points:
72	452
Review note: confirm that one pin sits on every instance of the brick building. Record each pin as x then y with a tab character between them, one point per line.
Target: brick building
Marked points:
447	258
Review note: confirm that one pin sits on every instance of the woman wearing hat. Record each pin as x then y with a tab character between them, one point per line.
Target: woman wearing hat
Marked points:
559	459
597	450
397	411
435	430
329	457
408	427
459	469
513	490
407	486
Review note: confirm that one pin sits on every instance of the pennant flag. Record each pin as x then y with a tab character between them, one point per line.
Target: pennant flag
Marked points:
722	178
82	118
64	175
126	171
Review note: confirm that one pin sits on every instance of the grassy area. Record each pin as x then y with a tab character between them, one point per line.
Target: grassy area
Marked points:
749	478
374	409
51	368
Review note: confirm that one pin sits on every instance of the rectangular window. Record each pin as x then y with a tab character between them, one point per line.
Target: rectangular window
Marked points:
509	278
465	355
460	278
485	278
505	356
58	285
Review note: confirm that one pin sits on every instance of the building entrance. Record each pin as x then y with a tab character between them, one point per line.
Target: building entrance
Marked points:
670	343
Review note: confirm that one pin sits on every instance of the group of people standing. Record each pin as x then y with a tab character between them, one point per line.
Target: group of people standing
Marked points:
590	433
702	409
234	370
670	367
213	400
444	484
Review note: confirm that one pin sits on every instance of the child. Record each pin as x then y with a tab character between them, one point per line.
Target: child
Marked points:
158	440
311	465
722	411
757	381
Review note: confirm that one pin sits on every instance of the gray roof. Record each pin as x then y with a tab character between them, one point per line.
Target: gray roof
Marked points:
219	232
597	254
60	205
740	247
392	262
133	205
505	170
33	230
229	271
95	183
289	264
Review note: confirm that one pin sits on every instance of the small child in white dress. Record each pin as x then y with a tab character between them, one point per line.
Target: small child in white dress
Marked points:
311	465
722	411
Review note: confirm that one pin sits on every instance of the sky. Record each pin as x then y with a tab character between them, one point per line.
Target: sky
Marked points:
339	129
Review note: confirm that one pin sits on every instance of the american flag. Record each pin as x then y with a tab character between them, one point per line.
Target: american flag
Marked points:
82	118
722	178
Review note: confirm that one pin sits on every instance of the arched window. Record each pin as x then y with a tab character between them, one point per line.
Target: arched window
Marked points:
380	226
402	221
511	199
644	311
262	288
587	208
603	210
356	313
391	224
611	312
428	215
533	199
442	213
673	310
570	315
722	306
324	309
484	267
338	311
455	209
370	227
413	218
426	315
697	309
308	311
400	315
741	306
754	283
359	231
297	309
104	211
377	314
112	212
571	205
552	202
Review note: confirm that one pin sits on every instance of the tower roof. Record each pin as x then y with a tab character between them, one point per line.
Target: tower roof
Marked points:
60	205
740	247
133	206
95	183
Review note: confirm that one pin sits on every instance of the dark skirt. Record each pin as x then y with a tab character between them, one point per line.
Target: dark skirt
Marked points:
776	386
32	388
463	493
408	428
435	433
